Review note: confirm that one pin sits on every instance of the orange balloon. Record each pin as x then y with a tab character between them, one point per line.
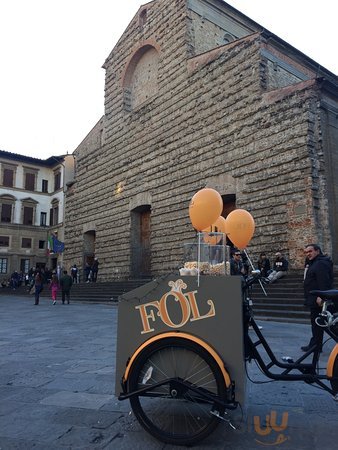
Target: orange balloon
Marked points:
217	227
205	208
240	227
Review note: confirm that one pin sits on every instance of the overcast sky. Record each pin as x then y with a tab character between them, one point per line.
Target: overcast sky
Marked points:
52	51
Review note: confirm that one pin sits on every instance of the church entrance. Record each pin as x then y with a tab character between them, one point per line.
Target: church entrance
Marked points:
140	242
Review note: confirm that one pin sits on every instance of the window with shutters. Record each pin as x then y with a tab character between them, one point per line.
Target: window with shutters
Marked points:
6	213
44	186
28	214
30	181
57	180
8	179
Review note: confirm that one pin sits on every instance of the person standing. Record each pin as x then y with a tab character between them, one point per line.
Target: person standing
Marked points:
73	272
38	286
66	283
319	276
54	287
95	269
87	271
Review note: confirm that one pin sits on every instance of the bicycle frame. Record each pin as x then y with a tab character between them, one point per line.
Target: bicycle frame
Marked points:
187	375
306	372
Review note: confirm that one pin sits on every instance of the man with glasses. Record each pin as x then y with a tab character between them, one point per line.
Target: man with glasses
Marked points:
319	276
236	264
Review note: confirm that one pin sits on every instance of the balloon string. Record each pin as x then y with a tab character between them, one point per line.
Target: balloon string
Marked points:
198	259
253	268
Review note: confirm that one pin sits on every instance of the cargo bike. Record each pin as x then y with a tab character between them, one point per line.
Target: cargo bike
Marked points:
182	366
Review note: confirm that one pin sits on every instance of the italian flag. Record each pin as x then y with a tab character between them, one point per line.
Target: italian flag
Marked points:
50	245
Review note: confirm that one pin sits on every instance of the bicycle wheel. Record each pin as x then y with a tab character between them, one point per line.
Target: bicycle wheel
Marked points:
172	412
334	383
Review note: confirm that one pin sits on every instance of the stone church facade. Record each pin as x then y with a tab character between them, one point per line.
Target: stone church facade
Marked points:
198	95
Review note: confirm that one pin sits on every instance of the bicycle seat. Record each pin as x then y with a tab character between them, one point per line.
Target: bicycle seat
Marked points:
331	294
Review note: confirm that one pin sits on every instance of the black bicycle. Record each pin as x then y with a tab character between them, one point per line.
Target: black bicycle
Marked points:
180	390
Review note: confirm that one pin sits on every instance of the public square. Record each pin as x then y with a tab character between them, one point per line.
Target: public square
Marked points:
57	382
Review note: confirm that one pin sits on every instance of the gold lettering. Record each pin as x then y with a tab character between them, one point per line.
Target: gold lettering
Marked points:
187	302
194	308
178	296
145	316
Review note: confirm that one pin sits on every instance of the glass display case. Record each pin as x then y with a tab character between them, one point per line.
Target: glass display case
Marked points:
207	256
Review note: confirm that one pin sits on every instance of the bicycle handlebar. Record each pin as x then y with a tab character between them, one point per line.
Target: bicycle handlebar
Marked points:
255	277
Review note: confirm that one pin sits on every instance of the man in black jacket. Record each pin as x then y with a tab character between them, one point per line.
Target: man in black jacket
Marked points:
66	283
319	276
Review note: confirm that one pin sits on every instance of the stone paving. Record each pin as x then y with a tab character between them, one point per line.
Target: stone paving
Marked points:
57	382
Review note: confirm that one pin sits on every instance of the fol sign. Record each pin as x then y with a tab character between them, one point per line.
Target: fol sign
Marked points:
159	310
211	311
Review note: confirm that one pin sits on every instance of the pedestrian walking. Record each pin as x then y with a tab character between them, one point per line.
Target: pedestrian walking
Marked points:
54	286
38	286
66	283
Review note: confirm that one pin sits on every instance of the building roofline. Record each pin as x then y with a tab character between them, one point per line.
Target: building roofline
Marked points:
321	72
49	162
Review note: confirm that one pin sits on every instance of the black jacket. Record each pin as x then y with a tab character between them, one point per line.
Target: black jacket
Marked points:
319	276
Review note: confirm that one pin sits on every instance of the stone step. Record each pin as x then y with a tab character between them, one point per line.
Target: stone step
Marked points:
96	292
284	300
282	314
279	306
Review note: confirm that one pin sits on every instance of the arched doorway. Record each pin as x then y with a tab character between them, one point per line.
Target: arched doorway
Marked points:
140	242
89	247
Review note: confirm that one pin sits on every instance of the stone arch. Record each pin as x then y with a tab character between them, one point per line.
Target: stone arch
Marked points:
140	80
140	234
89	240
143	17
227	38
7	197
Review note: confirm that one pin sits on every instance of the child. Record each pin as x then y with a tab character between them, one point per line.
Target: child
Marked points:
54	286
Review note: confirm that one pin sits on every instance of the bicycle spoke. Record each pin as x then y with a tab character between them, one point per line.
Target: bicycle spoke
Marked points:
174	412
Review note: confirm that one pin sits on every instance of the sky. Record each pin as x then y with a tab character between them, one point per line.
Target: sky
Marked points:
52	52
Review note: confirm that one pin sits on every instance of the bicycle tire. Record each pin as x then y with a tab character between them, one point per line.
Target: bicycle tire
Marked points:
179	418
334	383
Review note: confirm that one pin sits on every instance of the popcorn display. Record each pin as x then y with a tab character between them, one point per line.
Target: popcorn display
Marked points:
208	256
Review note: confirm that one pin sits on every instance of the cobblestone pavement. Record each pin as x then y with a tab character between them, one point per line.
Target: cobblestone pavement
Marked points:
57	387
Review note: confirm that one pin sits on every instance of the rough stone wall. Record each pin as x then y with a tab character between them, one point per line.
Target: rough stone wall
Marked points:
81	213
211	123
329	145
278	77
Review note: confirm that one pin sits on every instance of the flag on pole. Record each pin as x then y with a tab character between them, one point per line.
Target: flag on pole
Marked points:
50	245
58	246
